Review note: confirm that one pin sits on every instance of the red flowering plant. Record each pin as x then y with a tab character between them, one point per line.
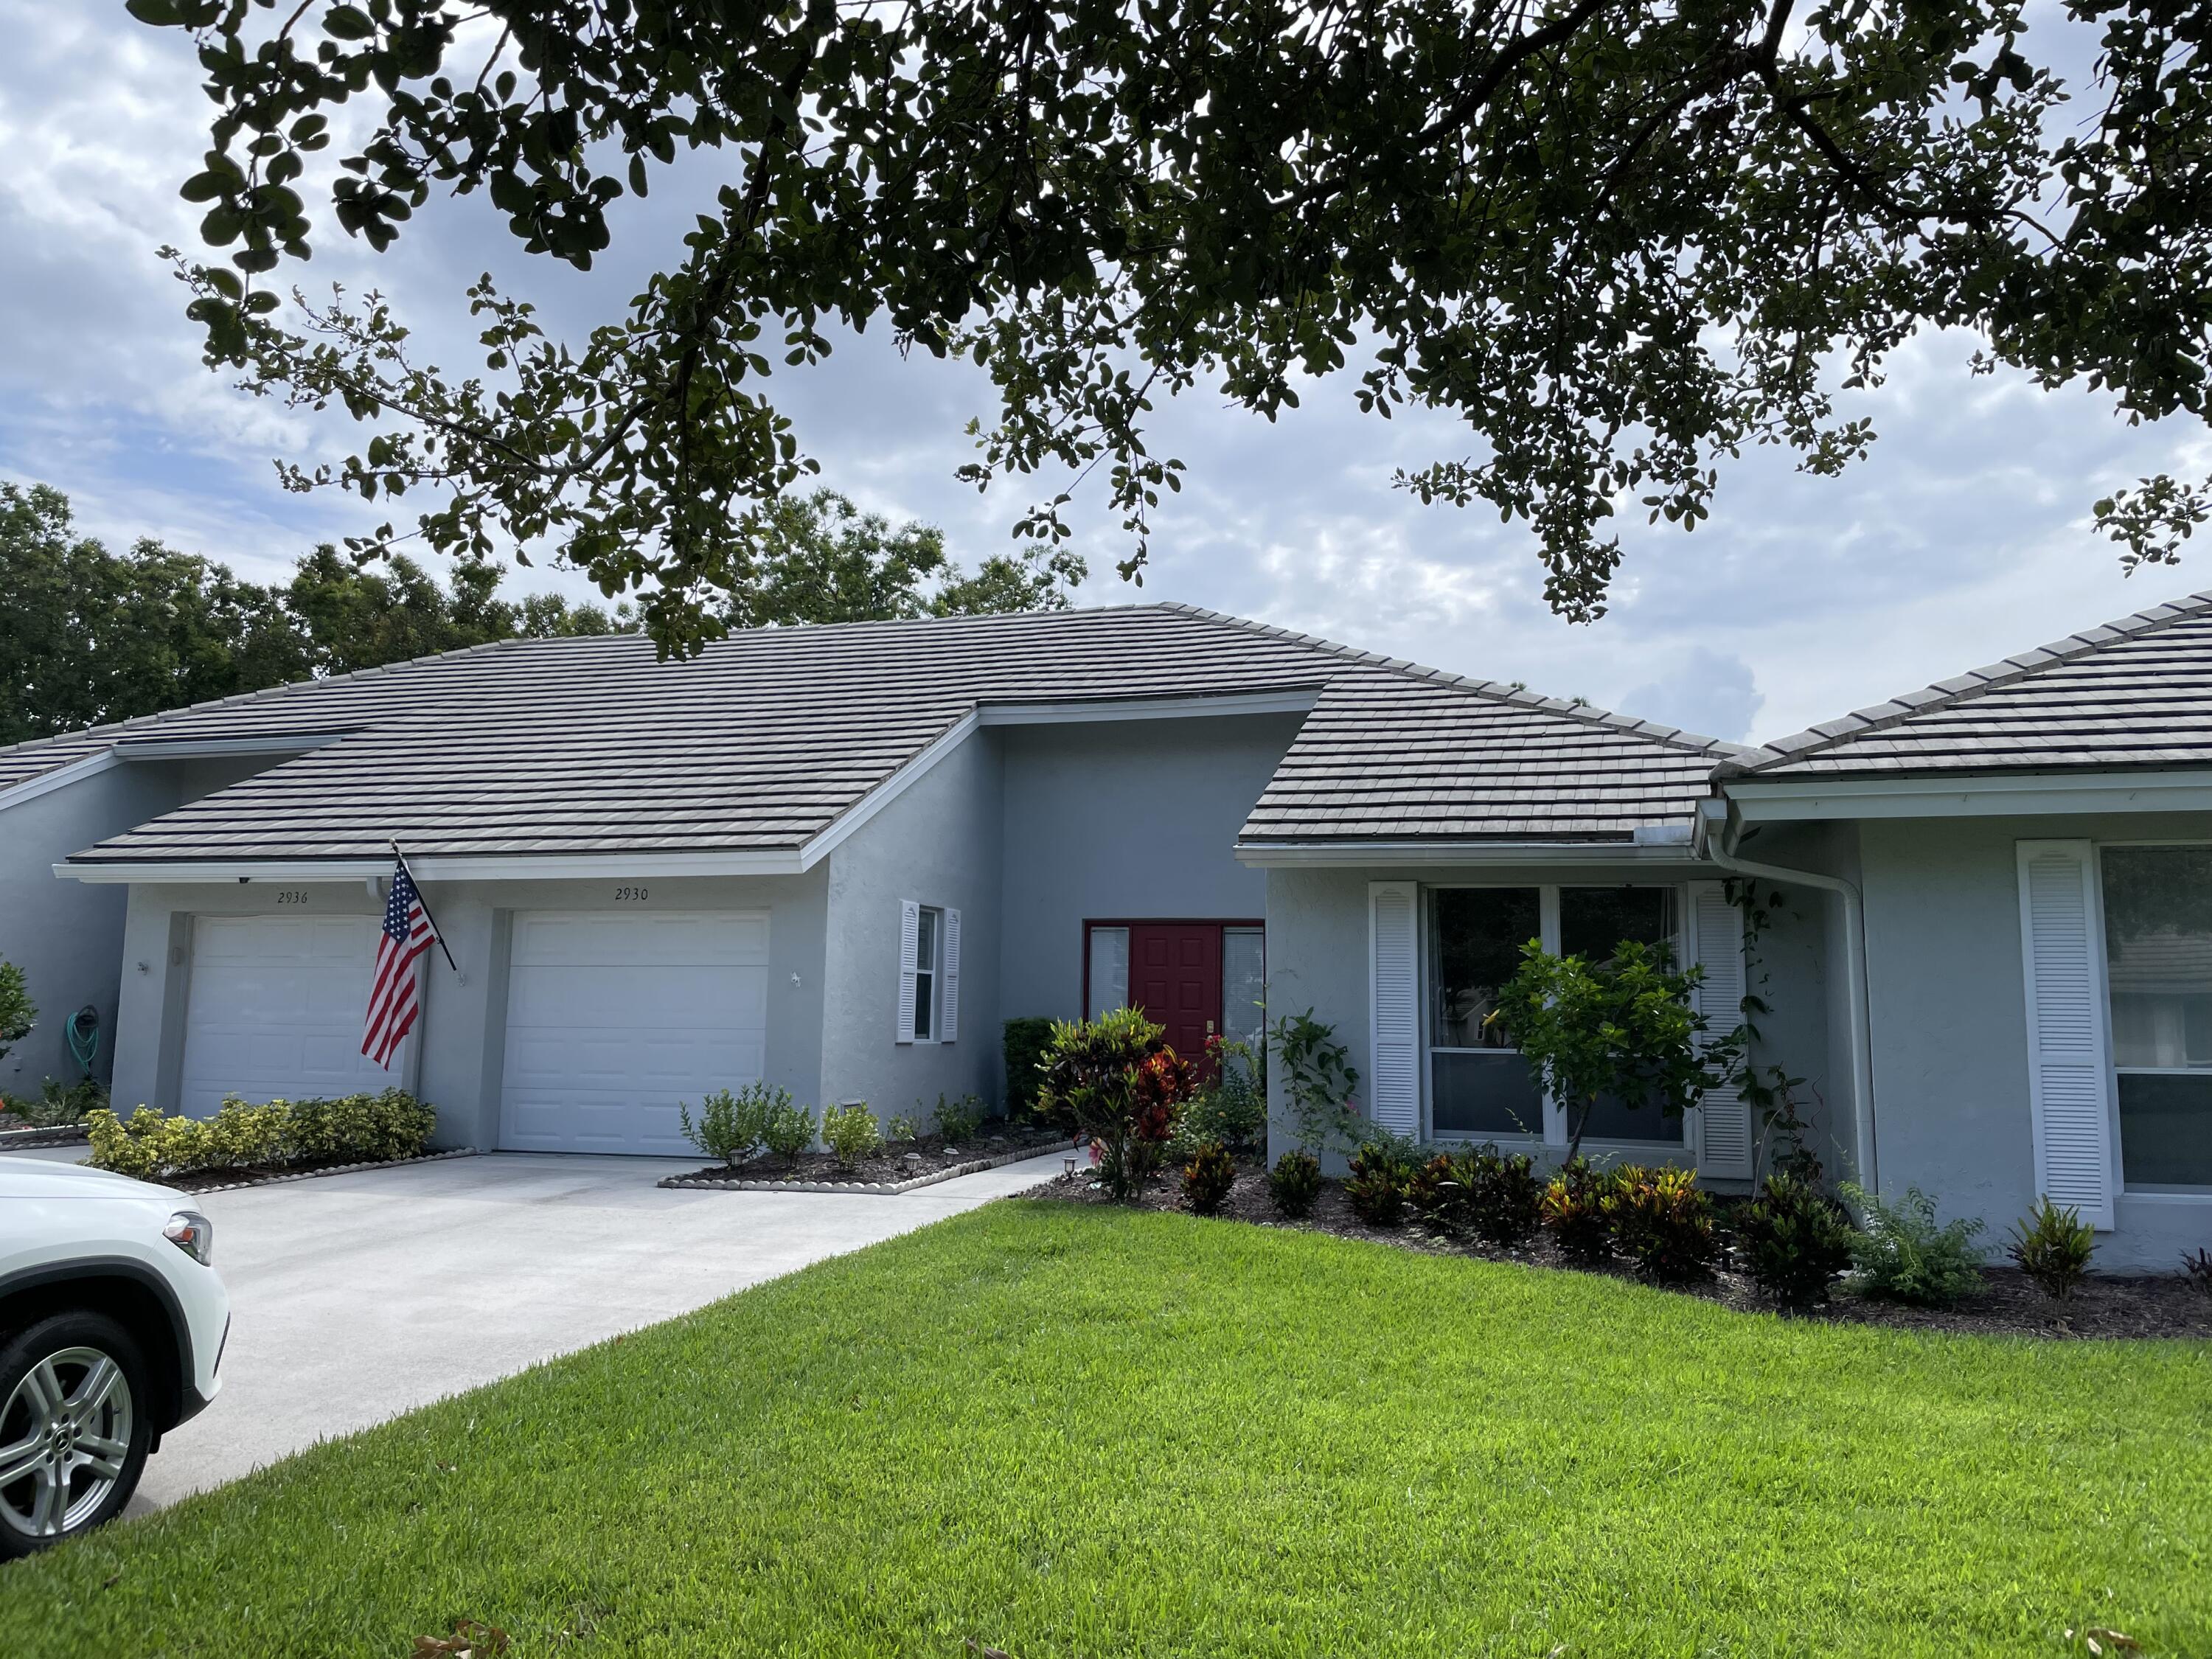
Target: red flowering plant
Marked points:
1116	1080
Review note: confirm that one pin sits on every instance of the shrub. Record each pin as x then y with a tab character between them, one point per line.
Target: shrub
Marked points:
1382	1171
1115	1080
66	1103
1662	1221
1207	1178
238	1134
1027	1045
1229	1109
1294	1183
132	1147
732	1126
18	1015
900	1129
1573	1209
959	1121
850	1133
1793	1241
1436	1191
2052	1247
1902	1255
1503	1198
1318	1078
2199	1265
362	1128
789	1128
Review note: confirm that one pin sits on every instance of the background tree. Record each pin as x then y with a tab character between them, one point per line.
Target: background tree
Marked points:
818	558
87	636
1619	240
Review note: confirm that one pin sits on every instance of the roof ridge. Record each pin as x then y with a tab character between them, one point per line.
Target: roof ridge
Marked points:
1519	697
1964	688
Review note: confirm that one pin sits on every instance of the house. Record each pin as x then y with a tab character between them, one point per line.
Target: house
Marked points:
838	857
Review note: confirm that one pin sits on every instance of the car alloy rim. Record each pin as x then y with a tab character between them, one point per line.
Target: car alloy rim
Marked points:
64	1434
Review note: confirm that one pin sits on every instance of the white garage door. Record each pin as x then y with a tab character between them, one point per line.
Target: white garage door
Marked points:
276	1007
612	1019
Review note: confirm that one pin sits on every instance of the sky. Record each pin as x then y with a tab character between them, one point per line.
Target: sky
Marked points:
1965	538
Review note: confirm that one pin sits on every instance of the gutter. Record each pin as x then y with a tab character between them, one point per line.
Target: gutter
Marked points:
1716	839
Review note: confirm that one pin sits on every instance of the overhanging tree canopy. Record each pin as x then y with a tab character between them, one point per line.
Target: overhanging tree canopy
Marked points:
1620	241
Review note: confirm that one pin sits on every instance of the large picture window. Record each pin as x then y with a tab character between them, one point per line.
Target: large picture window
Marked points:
1479	1085
2158	965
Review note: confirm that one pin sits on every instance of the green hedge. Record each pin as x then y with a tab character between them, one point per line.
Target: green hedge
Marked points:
354	1129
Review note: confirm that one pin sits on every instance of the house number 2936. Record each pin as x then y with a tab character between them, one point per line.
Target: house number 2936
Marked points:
627	893
291	896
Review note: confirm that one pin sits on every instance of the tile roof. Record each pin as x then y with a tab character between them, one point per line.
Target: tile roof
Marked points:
577	747
2136	692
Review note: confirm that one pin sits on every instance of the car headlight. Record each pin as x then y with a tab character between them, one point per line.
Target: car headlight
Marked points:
192	1233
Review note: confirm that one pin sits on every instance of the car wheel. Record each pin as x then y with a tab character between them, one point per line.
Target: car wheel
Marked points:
74	1428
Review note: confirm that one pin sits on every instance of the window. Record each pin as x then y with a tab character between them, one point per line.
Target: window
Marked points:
929	925
1593	923
1244	986
1478	1085
2158	965
1109	970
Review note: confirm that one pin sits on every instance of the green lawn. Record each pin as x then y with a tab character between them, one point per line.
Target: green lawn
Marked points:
1085	1432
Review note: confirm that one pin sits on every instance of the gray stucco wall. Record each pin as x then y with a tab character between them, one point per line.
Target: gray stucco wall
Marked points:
938	845
1131	822
67	936
1947	992
463	1026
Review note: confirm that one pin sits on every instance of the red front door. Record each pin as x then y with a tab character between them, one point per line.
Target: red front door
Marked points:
1174	977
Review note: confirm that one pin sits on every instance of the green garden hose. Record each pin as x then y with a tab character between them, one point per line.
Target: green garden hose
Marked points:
82	1031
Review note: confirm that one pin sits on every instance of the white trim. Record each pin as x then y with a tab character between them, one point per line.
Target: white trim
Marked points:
1785	801
1394	854
841	828
1295	700
61	777
584	866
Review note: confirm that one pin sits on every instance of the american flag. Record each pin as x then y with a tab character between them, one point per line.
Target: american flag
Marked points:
391	1005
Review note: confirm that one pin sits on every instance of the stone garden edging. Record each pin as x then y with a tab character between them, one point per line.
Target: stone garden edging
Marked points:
877	1188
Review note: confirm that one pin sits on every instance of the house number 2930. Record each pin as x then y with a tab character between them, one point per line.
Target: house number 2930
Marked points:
623	893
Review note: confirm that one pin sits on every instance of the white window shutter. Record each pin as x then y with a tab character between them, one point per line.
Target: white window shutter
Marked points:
1725	1143
909	942
1393	1091
948	980
2069	1074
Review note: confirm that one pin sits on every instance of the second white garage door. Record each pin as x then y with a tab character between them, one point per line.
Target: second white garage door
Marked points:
613	1018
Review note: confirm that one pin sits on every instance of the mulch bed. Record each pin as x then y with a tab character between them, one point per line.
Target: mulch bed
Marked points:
2108	1305
905	1161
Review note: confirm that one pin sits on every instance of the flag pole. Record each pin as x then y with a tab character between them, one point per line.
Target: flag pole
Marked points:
436	932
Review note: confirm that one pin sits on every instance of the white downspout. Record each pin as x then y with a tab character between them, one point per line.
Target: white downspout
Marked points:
1712	838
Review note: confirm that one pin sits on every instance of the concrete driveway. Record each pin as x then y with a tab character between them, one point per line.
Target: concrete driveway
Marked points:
358	1297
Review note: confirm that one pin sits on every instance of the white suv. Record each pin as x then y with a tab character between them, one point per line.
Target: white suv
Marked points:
112	1325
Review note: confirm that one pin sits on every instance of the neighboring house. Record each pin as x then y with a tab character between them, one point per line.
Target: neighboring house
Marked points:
838	857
